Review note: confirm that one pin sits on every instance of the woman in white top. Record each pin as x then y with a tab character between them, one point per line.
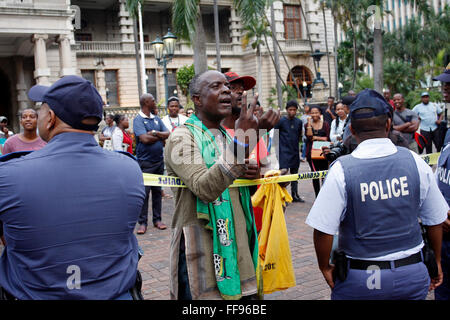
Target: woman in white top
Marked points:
338	124
120	137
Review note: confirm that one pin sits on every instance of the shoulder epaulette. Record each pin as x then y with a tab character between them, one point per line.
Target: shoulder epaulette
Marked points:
14	155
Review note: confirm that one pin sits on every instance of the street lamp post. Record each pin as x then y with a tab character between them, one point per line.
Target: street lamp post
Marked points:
164	50
340	87
305	85
317	55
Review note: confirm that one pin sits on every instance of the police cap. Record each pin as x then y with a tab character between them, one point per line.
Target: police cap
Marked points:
369	99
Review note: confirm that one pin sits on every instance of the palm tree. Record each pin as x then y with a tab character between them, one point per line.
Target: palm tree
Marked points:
255	30
133	7
326	46
216	32
188	25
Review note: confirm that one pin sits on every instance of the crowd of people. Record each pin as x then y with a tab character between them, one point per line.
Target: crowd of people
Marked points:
372	200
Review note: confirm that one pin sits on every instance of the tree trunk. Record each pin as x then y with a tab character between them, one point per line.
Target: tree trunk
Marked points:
259	63
216	31
276	58
378	60
136	50
307	32
200	57
326	46
336	75
355	53
141	43
273	61
286	62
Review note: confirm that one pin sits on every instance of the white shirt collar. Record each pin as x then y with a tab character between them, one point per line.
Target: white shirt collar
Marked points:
143	115
374	148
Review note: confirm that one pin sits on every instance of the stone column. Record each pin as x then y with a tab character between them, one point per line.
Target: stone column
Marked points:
126	28
235	30
22	99
41	72
100	78
65	56
313	18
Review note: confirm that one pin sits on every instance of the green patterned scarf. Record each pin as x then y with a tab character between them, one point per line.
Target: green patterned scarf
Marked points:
219	215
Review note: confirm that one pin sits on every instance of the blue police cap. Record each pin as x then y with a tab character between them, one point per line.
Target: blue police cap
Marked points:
73	99
445	76
369	99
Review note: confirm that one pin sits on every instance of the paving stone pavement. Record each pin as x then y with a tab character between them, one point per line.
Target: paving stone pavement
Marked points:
154	265
310	284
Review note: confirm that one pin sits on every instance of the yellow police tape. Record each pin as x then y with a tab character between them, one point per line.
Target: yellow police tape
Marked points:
156	180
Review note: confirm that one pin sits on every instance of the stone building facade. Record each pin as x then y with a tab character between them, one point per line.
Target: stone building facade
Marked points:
42	40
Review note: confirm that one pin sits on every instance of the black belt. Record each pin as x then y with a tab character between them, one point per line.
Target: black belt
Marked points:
364	264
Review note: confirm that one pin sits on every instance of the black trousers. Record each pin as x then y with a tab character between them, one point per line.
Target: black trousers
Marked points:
155	168
432	137
317	165
294	184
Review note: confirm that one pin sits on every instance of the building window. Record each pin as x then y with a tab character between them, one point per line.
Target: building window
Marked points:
83	37
292	22
172	80
301	74
151	82
89	75
112	88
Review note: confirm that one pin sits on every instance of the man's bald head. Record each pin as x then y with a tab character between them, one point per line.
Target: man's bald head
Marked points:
144	98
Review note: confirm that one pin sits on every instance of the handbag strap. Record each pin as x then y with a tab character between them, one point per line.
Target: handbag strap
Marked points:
400	116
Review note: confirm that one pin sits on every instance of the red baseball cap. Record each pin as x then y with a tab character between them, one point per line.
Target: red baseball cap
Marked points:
249	81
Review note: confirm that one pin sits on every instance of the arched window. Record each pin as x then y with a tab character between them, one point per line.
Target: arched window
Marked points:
302	75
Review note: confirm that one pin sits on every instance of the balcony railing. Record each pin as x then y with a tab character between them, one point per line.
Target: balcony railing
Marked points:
181	48
295	45
99	47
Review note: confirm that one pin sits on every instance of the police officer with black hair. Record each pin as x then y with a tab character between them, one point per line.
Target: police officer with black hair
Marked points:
375	197
64	239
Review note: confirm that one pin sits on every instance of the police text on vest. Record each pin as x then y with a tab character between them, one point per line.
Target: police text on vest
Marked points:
382	190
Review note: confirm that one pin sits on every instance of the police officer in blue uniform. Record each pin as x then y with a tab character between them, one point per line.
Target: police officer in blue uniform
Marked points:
67	238
442	174
374	198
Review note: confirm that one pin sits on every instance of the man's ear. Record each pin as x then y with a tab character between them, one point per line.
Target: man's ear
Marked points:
388	125
51	119
196	99
352	130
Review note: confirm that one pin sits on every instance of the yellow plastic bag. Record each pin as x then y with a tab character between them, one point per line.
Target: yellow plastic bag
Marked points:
274	252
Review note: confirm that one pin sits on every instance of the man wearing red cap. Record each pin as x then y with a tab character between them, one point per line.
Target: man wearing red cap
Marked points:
237	87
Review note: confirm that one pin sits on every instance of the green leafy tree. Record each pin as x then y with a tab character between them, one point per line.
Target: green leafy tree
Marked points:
188	25
254	32
184	77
